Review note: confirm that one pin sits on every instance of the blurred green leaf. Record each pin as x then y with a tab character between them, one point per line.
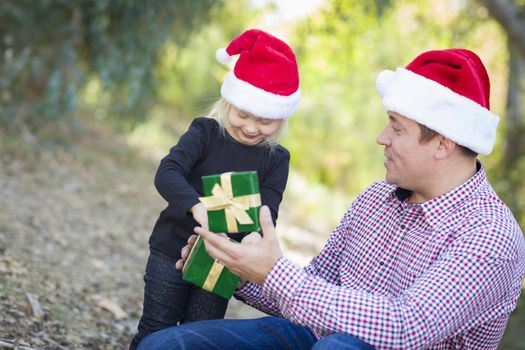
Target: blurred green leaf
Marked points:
50	49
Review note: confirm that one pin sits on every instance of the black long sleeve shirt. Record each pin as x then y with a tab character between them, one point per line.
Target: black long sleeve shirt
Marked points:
205	150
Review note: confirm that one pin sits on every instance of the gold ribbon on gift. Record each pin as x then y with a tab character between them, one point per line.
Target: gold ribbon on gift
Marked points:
234	207
213	276
193	249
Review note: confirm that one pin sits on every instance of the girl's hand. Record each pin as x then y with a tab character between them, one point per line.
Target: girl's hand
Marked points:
252	238
200	214
185	251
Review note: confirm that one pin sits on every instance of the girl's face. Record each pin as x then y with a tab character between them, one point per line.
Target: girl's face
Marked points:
249	129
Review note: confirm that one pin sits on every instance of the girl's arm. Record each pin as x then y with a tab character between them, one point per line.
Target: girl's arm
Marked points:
171	179
273	180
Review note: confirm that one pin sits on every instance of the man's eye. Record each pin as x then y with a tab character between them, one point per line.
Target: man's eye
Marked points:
397	131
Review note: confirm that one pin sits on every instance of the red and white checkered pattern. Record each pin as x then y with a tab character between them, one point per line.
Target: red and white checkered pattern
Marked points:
444	274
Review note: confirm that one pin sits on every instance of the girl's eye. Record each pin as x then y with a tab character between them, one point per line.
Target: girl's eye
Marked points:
265	121
243	116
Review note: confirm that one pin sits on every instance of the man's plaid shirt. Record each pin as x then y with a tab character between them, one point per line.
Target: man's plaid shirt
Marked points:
444	274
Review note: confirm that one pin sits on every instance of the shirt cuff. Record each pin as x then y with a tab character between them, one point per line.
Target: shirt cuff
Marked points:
248	291
282	282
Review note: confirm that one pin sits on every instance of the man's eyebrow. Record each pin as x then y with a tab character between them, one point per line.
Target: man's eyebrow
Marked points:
396	121
391	117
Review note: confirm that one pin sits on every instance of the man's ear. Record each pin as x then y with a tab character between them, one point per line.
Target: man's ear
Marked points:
445	147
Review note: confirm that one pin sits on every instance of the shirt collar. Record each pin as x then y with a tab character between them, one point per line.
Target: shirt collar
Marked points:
439	207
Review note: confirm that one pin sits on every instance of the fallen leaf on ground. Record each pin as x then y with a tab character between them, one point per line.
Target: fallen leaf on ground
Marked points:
112	307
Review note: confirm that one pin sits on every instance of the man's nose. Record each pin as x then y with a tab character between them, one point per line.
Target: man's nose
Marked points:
381	138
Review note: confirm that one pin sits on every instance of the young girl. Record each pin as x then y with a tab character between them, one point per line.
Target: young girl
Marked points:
258	97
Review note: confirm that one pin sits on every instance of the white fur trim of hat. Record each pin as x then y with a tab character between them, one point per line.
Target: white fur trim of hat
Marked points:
438	108
257	101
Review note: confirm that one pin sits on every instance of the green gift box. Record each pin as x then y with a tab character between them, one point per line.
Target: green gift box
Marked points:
203	271
233	201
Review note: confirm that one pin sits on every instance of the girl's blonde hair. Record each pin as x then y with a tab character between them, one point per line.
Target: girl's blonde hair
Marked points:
220	111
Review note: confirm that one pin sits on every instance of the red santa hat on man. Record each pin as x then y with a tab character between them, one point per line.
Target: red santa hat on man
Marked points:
448	91
265	80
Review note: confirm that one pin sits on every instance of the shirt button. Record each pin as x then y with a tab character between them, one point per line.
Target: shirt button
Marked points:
381	263
402	227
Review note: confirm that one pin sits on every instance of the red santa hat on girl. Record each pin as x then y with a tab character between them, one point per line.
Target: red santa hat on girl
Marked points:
265	80
448	91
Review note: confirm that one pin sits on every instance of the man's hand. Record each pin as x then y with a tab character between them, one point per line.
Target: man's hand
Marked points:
253	258
252	238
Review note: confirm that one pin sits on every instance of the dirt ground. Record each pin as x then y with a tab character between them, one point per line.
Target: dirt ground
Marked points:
73	245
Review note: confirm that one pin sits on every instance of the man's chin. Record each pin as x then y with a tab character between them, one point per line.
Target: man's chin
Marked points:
389	180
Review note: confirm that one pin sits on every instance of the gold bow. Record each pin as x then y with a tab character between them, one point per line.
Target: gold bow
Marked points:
234	207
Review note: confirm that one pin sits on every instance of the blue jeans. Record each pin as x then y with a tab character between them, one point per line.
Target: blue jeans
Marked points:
257	334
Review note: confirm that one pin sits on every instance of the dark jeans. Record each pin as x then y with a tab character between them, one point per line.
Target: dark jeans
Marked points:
257	334
169	300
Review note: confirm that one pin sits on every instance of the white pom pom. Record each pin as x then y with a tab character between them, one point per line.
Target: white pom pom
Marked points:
222	56
383	81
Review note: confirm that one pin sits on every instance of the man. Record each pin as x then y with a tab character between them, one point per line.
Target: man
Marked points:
429	258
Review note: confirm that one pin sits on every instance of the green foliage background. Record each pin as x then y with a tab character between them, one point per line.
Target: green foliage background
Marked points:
342	50
52	49
147	68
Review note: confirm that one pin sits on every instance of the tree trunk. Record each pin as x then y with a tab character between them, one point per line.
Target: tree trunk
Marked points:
515	127
511	17
514	109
